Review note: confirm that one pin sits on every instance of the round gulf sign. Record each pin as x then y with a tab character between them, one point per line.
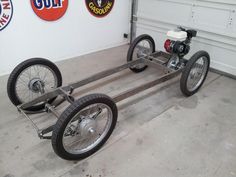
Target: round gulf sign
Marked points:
6	12
49	10
100	8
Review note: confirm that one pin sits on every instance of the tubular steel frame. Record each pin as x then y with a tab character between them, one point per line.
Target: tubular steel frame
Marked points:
157	60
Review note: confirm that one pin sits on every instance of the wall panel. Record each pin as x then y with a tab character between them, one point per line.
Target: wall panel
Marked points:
76	33
215	21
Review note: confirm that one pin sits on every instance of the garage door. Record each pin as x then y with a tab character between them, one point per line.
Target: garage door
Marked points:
215	21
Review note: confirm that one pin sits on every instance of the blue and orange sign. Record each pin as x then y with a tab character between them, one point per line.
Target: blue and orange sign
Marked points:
49	10
6	12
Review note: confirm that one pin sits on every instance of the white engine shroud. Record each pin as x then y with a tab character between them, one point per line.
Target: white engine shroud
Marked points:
177	35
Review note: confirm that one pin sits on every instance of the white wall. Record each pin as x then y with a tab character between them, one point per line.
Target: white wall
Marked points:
75	34
214	19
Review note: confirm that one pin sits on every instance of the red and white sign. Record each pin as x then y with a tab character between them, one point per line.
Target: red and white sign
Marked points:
6	12
49	10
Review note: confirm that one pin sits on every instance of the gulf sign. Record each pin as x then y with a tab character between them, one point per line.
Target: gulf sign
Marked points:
49	10
6	12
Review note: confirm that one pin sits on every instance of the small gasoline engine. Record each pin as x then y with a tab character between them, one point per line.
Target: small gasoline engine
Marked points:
178	44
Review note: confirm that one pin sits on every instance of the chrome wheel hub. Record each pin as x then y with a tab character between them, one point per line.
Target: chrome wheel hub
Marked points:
34	81
36	85
143	52
87	127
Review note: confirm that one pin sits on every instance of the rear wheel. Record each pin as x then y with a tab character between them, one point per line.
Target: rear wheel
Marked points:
195	73
84	127
32	78
142	46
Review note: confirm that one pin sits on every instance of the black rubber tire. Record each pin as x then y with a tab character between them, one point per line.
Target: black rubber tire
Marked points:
186	72
11	84
133	46
69	113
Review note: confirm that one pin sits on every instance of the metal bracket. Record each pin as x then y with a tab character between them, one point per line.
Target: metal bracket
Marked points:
45	131
51	109
68	96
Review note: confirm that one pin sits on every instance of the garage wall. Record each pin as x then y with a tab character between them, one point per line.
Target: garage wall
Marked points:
214	19
76	33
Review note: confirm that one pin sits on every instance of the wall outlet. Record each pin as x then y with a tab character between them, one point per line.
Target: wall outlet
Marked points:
126	36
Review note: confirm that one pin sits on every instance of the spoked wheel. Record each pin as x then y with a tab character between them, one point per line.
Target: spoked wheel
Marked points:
84	127
195	73
31	79
142	46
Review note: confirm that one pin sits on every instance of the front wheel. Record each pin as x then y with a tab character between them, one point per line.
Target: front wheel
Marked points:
84	127
195	73
142	46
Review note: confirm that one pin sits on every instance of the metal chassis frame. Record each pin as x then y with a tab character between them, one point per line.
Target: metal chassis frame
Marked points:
66	91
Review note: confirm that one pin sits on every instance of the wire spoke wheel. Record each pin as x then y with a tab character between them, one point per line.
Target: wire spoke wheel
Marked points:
87	128
195	73
84	127
35	81
32	78
142	47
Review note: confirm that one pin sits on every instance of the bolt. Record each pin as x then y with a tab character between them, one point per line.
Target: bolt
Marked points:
91	130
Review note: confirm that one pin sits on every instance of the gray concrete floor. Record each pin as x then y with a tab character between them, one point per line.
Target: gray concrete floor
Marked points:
159	132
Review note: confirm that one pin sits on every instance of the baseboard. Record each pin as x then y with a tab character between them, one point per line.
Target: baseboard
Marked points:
223	73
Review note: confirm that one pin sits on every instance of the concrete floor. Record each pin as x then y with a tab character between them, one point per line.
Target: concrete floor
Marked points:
159	132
